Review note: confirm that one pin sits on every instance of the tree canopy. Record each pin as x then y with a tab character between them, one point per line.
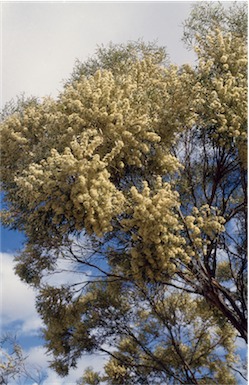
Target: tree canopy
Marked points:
137	173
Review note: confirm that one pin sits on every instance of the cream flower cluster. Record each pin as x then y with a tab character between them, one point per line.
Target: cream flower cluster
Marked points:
116	371
203	226
176	113
223	272
99	125
79	183
123	108
31	132
223	88
155	229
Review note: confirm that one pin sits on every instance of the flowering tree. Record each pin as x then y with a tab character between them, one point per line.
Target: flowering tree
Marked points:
13	364
137	172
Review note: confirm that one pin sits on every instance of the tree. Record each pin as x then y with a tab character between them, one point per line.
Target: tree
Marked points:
13	364
137	172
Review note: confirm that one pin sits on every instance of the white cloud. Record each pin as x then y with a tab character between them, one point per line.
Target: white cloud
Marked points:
65	274
18	305
32	325
95	361
17	299
37	358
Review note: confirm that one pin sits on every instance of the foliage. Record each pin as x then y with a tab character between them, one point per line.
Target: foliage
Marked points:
116	57
137	172
13	364
206	16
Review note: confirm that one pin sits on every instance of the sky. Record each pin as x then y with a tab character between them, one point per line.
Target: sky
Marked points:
40	44
41	41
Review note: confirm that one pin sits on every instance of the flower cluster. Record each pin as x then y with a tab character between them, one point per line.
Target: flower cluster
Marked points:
122	108
99	125
223	88
79	183
116	371
157	243
203	226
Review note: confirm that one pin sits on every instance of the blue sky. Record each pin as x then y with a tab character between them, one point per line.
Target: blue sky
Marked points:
40	43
